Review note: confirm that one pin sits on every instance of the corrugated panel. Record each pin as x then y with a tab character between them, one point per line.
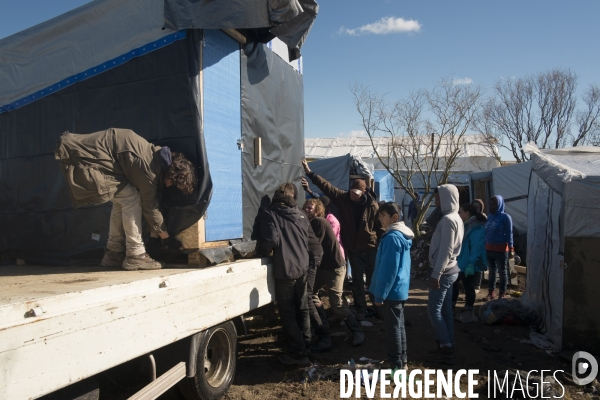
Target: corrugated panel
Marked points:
222	130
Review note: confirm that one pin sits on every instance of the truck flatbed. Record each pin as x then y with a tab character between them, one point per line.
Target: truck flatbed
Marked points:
59	325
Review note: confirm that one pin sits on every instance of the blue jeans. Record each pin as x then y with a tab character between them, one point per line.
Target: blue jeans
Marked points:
497	261
393	320
439	308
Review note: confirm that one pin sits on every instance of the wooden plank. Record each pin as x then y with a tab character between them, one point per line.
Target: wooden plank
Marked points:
83	333
214	245
194	236
197	259
162	384
235	35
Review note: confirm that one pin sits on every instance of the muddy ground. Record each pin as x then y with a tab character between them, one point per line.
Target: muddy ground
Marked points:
478	346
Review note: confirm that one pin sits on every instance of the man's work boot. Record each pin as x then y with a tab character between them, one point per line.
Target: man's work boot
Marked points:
358	335
143	261
112	259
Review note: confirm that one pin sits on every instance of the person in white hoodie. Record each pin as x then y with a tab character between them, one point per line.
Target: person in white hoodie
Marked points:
443	252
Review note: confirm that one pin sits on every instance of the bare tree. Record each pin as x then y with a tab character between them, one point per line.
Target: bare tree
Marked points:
588	119
418	138
535	109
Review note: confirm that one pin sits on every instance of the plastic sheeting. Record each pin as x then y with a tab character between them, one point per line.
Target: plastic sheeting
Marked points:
558	208
544	277
68	48
272	109
88	36
222	132
512	183
337	171
289	20
155	95
384	185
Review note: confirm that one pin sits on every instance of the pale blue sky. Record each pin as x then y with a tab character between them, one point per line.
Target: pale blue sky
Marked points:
481	41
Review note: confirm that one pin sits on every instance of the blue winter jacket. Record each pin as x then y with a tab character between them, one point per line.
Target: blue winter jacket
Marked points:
473	247
391	276
498	228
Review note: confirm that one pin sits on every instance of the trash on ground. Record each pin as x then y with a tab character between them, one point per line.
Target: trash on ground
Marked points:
508	312
366	359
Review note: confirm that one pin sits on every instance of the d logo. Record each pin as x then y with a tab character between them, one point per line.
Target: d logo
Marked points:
584	363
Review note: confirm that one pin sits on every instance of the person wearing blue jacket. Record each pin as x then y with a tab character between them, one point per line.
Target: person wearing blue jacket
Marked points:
391	277
471	260
498	245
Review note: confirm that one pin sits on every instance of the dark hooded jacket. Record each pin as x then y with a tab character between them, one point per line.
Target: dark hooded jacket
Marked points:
332	254
358	234
284	228
498	229
98	165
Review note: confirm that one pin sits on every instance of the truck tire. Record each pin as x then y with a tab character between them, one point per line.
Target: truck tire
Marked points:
215	364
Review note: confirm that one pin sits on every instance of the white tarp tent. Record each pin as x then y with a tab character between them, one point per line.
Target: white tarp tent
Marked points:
563	208
512	183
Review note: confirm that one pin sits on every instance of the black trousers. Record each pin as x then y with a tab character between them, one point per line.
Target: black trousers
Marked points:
293	309
313	265
469	285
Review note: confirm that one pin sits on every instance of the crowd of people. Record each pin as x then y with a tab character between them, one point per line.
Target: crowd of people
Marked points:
311	247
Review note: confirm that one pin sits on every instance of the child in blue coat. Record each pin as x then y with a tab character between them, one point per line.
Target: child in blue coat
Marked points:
391	277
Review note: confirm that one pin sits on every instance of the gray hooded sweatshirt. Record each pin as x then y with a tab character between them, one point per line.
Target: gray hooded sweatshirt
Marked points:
448	235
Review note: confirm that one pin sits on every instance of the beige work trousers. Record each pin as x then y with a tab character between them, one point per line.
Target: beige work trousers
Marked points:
333	280
125	230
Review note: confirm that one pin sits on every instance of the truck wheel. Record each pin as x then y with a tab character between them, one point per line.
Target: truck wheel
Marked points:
215	364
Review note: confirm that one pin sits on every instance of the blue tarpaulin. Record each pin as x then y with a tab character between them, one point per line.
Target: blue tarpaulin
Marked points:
384	185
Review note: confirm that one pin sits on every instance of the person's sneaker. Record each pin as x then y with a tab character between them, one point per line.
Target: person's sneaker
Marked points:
491	295
112	259
291	360
501	295
467	316
358	338
143	261
446	355
477	289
